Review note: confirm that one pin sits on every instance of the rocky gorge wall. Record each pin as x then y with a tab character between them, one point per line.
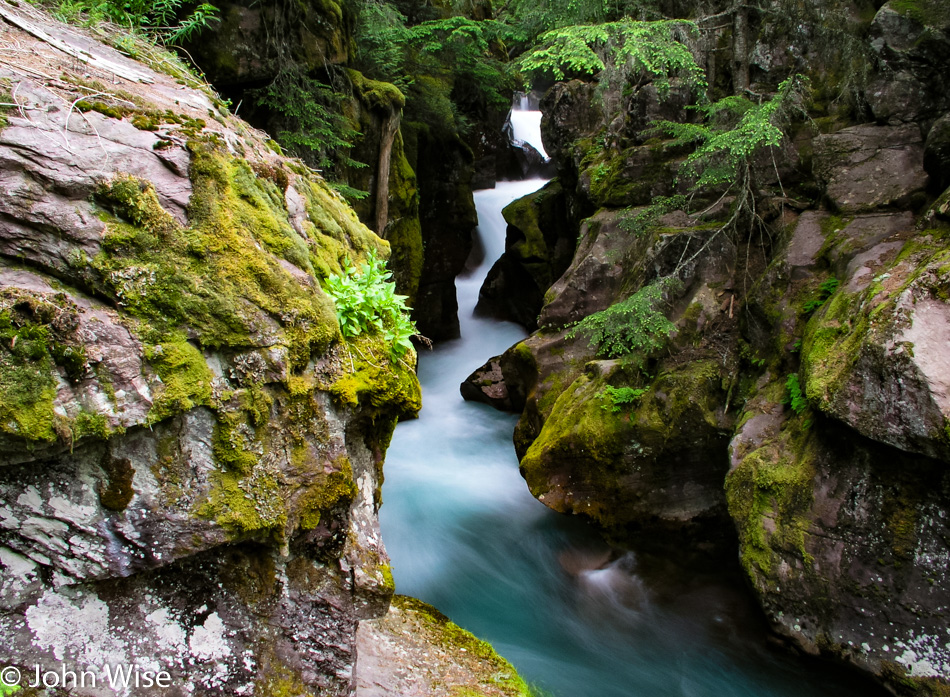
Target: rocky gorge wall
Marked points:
799	409
190	456
422	203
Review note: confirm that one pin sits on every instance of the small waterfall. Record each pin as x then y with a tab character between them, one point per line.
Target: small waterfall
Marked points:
526	122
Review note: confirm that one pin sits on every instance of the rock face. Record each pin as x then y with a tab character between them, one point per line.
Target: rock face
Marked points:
868	167
912	43
189	459
539	246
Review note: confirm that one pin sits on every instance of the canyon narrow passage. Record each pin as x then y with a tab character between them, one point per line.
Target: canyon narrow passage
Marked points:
465	535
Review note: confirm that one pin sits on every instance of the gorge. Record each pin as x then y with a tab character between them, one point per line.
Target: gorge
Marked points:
700	327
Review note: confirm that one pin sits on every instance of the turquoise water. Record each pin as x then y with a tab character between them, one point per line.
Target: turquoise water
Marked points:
465	535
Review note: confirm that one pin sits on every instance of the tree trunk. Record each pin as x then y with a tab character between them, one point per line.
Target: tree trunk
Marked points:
386	138
740	47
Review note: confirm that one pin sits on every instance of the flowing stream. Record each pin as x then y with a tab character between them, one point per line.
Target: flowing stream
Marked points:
465	535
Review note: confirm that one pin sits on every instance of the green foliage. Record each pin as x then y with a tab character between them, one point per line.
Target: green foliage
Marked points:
366	301
532	18
159	18
313	124
348	191
6	690
633	327
825	291
656	50
794	397
621	396
734	130
382	38
641	221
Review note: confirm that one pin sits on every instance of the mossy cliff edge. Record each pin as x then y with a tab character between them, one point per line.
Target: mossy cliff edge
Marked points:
190	454
793	406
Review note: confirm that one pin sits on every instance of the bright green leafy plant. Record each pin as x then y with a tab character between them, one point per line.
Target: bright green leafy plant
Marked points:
656	50
734	129
621	396
825	291
366	302
633	327
795	398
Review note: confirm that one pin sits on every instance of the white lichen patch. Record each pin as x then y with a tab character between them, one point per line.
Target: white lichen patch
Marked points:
209	641
75	626
925	656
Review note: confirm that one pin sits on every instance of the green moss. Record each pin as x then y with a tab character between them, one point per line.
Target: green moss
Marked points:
38	348
112	111
604	448
377	95
117	492
927	12
453	639
770	496
186	379
331	491
280	681
145	122
375	385
611	184
212	276
230	444
404	229
5	99
251	504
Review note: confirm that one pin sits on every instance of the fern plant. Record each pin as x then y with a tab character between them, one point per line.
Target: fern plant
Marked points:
619	397
825	291
366	302
634	327
794	397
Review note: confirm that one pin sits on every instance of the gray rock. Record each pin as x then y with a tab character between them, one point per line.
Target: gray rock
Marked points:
875	355
937	152
844	540
912	43
868	167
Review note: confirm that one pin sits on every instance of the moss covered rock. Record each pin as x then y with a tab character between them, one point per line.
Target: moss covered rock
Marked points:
190	456
840	538
415	649
539	247
874	354
633	465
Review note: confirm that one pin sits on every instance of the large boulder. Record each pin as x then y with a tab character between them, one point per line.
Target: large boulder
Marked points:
864	168
844	541
912	43
190	460
875	354
539	246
